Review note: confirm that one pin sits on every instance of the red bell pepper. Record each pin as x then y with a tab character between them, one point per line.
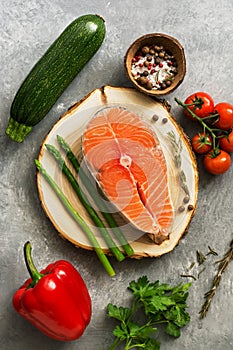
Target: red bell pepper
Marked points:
55	300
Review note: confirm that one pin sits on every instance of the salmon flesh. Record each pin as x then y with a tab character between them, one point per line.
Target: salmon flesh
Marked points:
124	155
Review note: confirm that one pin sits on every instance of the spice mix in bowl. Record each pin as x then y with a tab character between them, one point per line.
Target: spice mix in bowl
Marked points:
155	63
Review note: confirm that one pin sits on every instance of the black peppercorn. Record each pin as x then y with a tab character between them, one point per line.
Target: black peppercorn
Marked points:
181	208
145	73
186	199
163	86
155	117
168	82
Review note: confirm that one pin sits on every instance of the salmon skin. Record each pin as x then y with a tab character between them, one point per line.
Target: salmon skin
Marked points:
124	155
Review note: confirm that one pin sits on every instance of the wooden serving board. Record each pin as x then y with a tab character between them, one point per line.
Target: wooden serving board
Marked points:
181	166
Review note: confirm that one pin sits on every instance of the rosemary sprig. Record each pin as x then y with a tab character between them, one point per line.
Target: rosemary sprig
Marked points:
200	272
191	266
200	257
188	276
223	263
211	251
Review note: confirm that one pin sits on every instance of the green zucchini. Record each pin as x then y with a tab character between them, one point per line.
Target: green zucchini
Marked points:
53	73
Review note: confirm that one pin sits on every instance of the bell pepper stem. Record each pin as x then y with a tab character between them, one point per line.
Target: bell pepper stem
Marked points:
34	273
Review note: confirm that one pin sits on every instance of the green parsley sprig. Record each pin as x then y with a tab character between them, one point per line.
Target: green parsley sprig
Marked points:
155	303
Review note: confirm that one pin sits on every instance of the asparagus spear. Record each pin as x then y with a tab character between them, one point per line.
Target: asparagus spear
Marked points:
91	211
89	186
102	257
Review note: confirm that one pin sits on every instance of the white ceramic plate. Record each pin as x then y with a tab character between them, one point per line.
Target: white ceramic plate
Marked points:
181	165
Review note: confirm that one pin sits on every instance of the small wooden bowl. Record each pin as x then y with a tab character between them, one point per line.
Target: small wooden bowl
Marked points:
169	43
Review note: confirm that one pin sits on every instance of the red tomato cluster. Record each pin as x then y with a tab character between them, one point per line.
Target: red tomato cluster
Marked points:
215	142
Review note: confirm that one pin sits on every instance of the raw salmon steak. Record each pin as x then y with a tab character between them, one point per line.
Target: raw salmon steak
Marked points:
124	155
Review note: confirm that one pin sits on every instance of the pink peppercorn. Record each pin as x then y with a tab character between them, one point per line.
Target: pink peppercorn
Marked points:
160	65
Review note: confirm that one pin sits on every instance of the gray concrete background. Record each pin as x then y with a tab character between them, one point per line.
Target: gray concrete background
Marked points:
27	28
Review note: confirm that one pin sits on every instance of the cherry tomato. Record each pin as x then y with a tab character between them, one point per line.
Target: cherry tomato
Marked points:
225	111
202	105
217	164
226	143
201	143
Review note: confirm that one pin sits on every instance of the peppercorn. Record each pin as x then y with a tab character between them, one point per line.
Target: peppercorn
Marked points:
142	80
181	209
149	85
143	67
168	82
145	73
157	48
186	199
161	54
163	86
145	50
155	117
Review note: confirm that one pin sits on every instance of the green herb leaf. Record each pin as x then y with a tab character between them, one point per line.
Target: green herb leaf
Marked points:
178	316
141	332
119	313
152	344
173	330
160	303
121	332
154	303
134	333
